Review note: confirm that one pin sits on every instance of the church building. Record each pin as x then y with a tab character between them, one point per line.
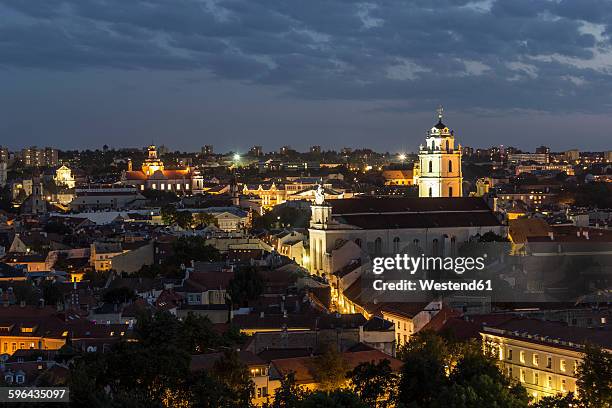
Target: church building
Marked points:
435	224
153	176
440	163
383	226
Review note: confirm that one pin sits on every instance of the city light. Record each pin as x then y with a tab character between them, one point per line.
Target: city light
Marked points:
402	157
236	157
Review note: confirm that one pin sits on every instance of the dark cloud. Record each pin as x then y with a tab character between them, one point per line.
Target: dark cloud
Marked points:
505	54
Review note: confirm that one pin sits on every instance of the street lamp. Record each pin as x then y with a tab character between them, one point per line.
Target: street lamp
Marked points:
236	157
402	157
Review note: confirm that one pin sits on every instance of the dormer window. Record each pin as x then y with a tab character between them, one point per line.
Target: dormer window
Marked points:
20	379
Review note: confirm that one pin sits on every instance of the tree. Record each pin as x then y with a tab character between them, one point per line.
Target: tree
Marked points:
184	219
188	249
288	395
558	401
235	378
51	293
330	370
490	236
426	359
204	219
198	335
374	383
5	199
170	215
438	373
595	378
121	294
245	285
477	381
283	216
332	399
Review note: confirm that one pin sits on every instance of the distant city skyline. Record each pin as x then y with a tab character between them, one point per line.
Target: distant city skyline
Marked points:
80	74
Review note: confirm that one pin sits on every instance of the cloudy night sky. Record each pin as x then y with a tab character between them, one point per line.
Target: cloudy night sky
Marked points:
184	73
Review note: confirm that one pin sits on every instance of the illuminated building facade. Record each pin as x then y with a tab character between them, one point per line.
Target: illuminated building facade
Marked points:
154	176
440	163
543	356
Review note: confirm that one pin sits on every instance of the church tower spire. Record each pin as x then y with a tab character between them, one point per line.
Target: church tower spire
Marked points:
439	162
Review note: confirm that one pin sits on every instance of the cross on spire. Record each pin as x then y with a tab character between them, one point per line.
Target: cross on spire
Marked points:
440	111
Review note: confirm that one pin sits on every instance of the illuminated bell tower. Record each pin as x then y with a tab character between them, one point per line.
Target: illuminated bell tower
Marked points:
152	163
440	163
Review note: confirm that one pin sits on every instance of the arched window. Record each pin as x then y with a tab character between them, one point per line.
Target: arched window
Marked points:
430	166
378	246
450	191
358	242
450	166
447	145
430	192
396	243
433	145
435	249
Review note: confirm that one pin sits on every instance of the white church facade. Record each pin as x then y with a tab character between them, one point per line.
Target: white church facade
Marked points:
385	226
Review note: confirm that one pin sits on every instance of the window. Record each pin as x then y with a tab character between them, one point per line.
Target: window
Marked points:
430	192
549	362
536	359
509	353
575	366
549	381
430	166
378	246
509	372
562	365
522	356
396	243
522	375
536	378
450	191
563	385
450	166
20	379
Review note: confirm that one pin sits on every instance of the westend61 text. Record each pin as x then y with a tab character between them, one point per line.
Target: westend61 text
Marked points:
432	285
